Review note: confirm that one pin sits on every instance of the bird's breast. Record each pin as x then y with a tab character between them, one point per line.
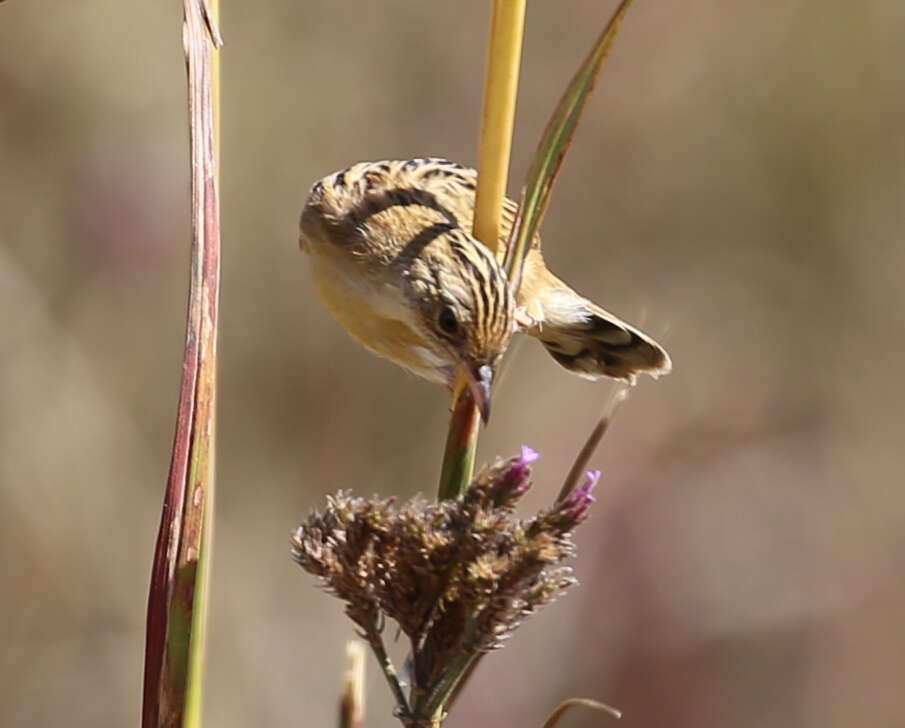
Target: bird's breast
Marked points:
376	315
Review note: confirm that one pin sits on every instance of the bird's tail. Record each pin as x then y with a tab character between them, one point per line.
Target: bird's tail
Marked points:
592	342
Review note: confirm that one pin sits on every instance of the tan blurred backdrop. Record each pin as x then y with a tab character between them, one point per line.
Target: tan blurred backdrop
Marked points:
737	188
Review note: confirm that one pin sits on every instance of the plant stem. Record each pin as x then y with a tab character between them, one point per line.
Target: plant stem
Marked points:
497	117
444	688
389	671
575	703
461	446
195	687
545	167
587	450
174	648
507	31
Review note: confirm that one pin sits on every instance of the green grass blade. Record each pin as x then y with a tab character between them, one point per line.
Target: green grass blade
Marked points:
197	647
552	149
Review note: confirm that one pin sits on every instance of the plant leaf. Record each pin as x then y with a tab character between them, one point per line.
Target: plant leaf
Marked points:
552	149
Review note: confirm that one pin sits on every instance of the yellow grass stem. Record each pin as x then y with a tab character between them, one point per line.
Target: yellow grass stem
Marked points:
551	151
507	29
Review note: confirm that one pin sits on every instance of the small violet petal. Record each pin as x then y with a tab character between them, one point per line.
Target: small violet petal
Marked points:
592	477
529	455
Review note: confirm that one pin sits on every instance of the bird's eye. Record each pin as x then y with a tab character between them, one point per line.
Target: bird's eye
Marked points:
447	320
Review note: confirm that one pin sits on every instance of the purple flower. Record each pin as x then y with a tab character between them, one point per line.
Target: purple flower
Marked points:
516	479
575	505
500	485
529	455
591	478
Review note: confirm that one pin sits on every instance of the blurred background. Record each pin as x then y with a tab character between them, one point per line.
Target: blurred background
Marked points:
736	189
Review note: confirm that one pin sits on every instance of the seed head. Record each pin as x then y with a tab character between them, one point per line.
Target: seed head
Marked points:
457	576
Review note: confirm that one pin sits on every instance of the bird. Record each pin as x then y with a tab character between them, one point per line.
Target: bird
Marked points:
394	261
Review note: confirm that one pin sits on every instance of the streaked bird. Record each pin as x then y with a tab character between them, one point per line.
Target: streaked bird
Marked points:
394	261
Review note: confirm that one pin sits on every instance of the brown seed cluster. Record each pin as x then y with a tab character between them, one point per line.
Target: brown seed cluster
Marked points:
457	576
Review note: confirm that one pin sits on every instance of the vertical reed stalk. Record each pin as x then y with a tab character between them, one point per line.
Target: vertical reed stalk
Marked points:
504	56
535	197
177	598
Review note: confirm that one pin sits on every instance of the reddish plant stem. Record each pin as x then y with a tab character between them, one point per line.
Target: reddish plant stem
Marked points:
181	531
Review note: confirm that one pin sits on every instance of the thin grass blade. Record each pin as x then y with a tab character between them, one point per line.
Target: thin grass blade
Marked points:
552	149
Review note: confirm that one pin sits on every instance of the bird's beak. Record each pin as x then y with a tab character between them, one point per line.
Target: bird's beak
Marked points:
480	379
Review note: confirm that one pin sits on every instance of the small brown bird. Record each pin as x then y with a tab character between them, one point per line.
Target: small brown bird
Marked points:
393	258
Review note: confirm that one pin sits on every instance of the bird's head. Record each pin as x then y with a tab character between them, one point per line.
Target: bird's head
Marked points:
465	309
